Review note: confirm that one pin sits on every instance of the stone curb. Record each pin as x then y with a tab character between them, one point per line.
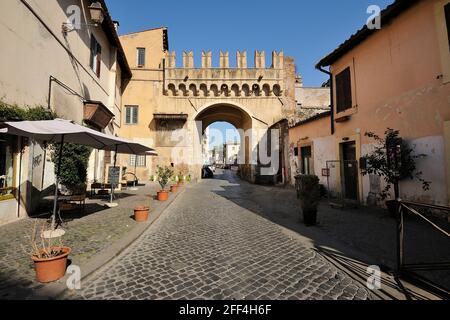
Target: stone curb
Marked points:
57	289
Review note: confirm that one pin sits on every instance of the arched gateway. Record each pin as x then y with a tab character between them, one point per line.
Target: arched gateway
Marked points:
170	107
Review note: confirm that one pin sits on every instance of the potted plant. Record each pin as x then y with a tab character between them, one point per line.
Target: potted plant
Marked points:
174	186
49	256
183	170
309	194
394	160
141	213
164	175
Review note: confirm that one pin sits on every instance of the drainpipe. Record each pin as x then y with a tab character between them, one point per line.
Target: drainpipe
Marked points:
319	67
164	75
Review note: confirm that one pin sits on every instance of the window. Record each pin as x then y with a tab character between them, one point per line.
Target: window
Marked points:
131	114
140	57
306	165
447	21
6	167
138	160
343	91
96	56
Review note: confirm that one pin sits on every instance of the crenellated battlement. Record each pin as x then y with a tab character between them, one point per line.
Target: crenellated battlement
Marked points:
225	81
224	61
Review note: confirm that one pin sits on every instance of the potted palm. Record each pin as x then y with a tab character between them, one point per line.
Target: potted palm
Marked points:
48	254
394	160
164	175
308	190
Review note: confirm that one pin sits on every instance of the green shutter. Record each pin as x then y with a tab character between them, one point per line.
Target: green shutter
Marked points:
127	115
135	115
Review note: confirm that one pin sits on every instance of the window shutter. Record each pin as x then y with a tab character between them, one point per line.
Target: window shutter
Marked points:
93	53
99	59
343	91
135	115
127	115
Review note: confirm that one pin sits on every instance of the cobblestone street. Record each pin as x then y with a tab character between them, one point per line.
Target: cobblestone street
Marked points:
208	247
87	234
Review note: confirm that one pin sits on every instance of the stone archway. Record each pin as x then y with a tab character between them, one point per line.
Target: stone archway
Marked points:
242	120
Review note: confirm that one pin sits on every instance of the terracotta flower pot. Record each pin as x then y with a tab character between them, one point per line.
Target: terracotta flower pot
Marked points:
163	195
141	213
173	188
180	183
51	269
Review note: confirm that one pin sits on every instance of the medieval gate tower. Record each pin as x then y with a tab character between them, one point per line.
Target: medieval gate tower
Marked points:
169	107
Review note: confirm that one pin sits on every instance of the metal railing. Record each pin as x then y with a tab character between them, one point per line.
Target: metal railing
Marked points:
409	270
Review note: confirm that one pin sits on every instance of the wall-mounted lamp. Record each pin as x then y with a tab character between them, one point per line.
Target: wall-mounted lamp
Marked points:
97	14
260	78
186	78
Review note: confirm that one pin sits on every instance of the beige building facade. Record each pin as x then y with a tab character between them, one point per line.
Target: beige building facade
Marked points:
170	104
56	57
396	77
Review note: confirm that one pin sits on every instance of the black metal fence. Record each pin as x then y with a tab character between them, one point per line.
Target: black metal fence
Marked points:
410	270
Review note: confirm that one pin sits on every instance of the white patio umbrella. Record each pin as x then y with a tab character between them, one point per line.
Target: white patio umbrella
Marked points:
64	131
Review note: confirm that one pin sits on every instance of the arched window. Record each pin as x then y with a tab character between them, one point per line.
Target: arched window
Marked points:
277	90
215	90
193	89
246	90
235	90
172	90
256	90
266	90
183	89
204	90
224	90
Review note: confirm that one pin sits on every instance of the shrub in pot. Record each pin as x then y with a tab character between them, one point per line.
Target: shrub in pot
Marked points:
393	160
49	256
183	170
309	194
164	175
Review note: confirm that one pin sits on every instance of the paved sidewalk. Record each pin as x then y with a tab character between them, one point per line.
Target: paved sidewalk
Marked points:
92	234
207	247
352	238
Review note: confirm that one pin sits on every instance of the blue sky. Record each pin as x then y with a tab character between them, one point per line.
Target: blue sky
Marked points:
304	29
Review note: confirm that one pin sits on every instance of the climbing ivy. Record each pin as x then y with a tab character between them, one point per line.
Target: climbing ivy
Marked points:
75	159
10	112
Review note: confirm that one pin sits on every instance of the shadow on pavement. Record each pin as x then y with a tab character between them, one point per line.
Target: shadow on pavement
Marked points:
366	235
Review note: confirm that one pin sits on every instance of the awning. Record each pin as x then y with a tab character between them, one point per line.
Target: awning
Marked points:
170	116
53	131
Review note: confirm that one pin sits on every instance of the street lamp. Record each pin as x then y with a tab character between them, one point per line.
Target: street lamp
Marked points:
97	12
